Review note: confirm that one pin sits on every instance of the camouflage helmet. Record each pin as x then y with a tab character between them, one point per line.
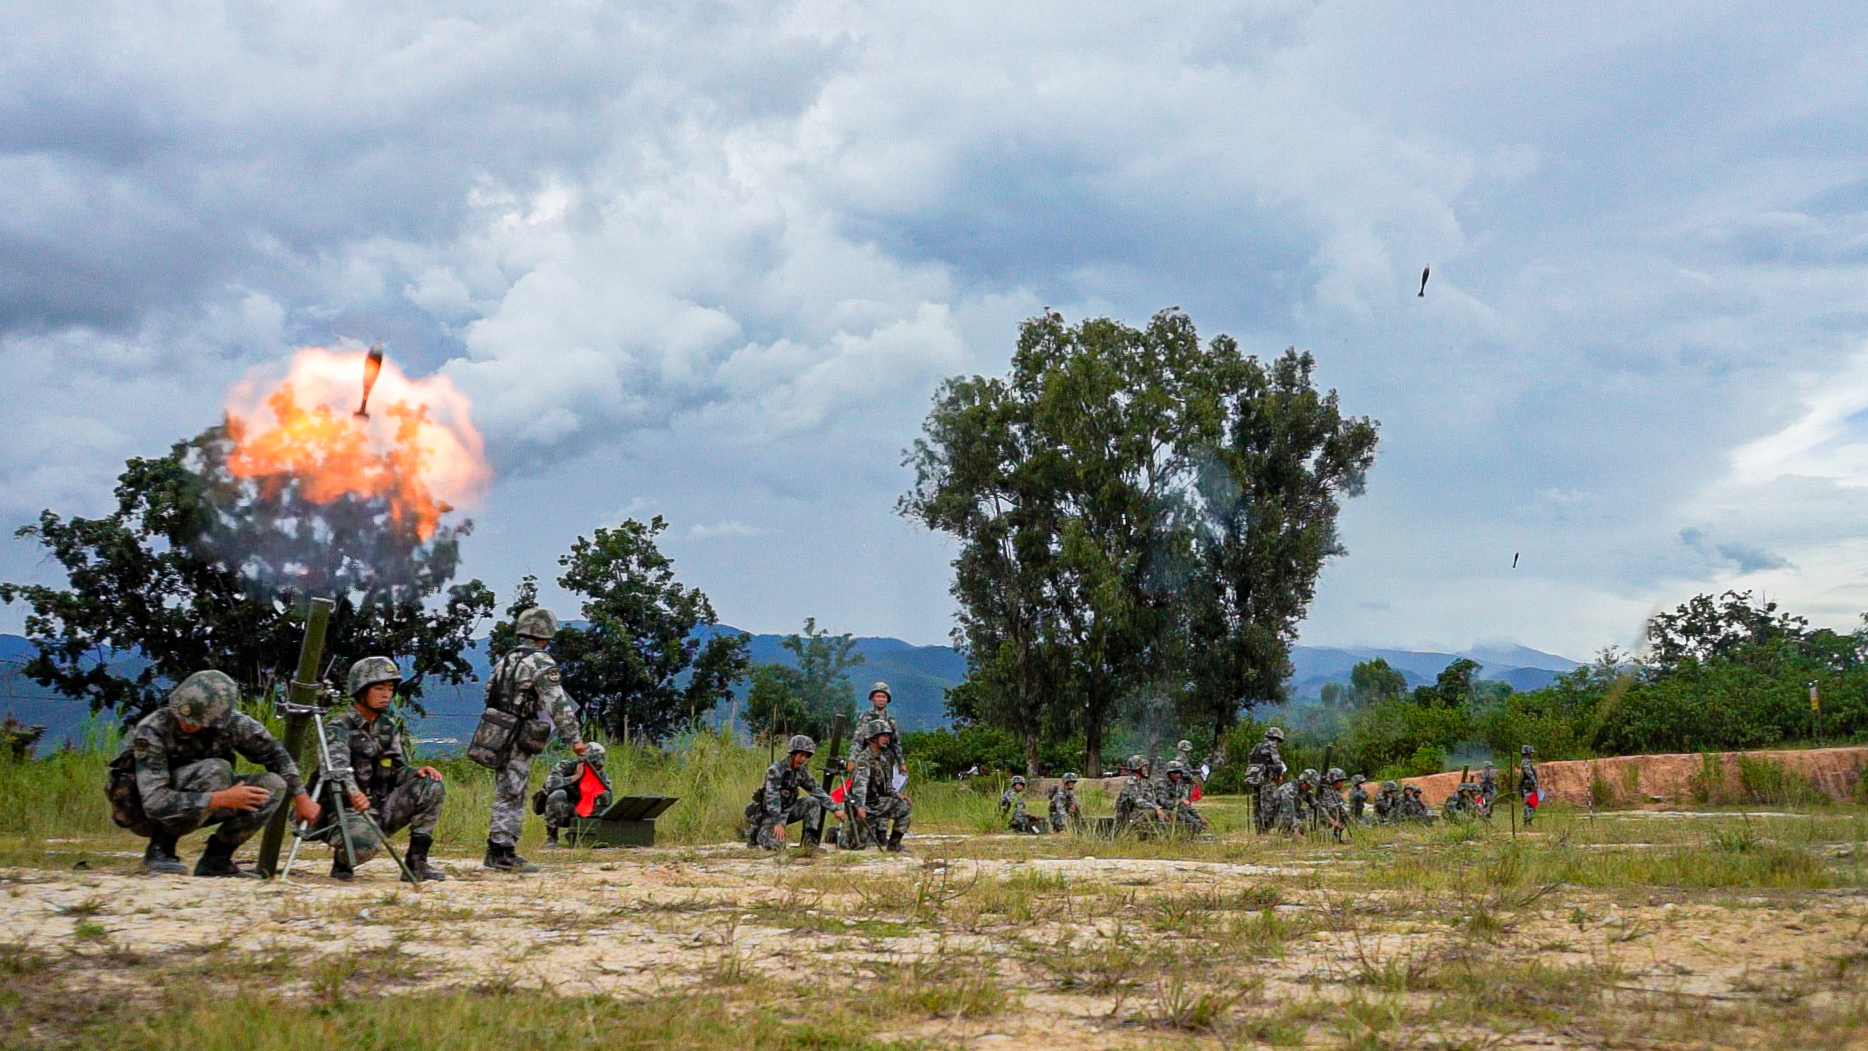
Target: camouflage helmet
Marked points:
800	743
593	755
535	623
1359	778
1274	734
1018	779
369	671
1336	774
1527	750
1390	786
1138	761
881	688
1308	777
1175	766
1071	778
204	698
1184	746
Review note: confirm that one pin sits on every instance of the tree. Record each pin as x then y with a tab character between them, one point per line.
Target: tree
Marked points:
1704	628
1141	517
1374	680
201	568
1452	688
807	698
647	661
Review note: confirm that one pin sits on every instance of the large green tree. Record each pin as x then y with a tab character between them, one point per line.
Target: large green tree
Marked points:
199	568
1141	515
806	697
646	658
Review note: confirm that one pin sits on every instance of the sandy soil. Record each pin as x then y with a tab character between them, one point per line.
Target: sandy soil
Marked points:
1638	780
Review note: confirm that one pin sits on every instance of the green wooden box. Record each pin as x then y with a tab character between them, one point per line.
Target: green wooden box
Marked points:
630	822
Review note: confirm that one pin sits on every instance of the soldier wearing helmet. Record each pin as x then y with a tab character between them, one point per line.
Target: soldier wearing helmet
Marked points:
1388	803
1264	769
874	798
525	700
877	720
1413	806
1358	798
575	788
1488	785
1012	807
1184	752
1331	810
1177	798
1066	814
176	775
1138	806
370	765
791	793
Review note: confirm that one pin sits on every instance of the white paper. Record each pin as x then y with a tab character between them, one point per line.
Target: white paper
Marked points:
901	778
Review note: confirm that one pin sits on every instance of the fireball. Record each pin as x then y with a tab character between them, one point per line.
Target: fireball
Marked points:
418	450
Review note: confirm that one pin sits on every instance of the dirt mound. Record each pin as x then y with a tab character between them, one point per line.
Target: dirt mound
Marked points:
1640	780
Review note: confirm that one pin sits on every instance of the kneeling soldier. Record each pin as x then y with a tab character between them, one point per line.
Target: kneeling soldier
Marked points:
175	775
872	793
1012	805
370	765
779	803
575	788
1137	808
1065	812
1177	793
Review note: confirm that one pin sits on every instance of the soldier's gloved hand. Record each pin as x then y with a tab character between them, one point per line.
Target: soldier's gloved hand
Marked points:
306	808
358	801
239	797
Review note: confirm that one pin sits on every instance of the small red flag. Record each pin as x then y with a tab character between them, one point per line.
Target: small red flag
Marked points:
589	787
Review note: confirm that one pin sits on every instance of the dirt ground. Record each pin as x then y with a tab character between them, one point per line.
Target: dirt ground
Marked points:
1669	780
1435	937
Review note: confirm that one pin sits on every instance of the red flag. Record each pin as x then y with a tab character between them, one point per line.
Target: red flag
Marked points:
1533	798
589	787
841	790
1194	796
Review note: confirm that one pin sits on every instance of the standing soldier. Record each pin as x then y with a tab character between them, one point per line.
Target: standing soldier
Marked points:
524	698
1358	798
1184	753
878	720
370	765
574	788
1264	768
1488	786
1527	776
175	775
779	803
1065	813
872	792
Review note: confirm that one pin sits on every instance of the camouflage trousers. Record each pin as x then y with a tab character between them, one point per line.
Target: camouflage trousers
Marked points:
509	785
1025	823
884	811
214	775
1265	808
807	809
415	804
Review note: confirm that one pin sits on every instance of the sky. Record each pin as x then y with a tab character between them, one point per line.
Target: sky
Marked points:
711	260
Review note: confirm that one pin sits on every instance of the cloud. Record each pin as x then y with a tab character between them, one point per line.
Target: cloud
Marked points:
713	260
733	528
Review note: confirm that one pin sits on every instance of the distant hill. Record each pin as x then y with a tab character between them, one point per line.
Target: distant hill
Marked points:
918	676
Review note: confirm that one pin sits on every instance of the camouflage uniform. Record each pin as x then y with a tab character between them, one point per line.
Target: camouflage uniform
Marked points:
790	795
1136	805
370	756
872	788
873	722
1388	803
177	771
561	795
1177	798
1413	807
1065	813
1281	814
1330	808
1488	786
1527	784
1358	799
1264	768
527	682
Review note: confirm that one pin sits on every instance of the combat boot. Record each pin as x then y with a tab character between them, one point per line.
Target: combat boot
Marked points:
417	860
160	857
506	859
895	844
217	860
807	843
551	835
340	867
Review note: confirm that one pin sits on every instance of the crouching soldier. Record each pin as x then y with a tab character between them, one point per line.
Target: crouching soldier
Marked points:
176	776
779	802
1176	793
1012	805
1137	809
370	765
1066	814
872	793
575	788
1388	803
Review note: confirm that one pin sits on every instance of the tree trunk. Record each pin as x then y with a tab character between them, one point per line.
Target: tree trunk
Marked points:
1031	756
1093	748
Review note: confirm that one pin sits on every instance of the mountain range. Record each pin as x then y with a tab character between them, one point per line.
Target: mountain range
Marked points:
918	676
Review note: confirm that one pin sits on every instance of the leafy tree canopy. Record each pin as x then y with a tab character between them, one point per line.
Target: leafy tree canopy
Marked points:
805	699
